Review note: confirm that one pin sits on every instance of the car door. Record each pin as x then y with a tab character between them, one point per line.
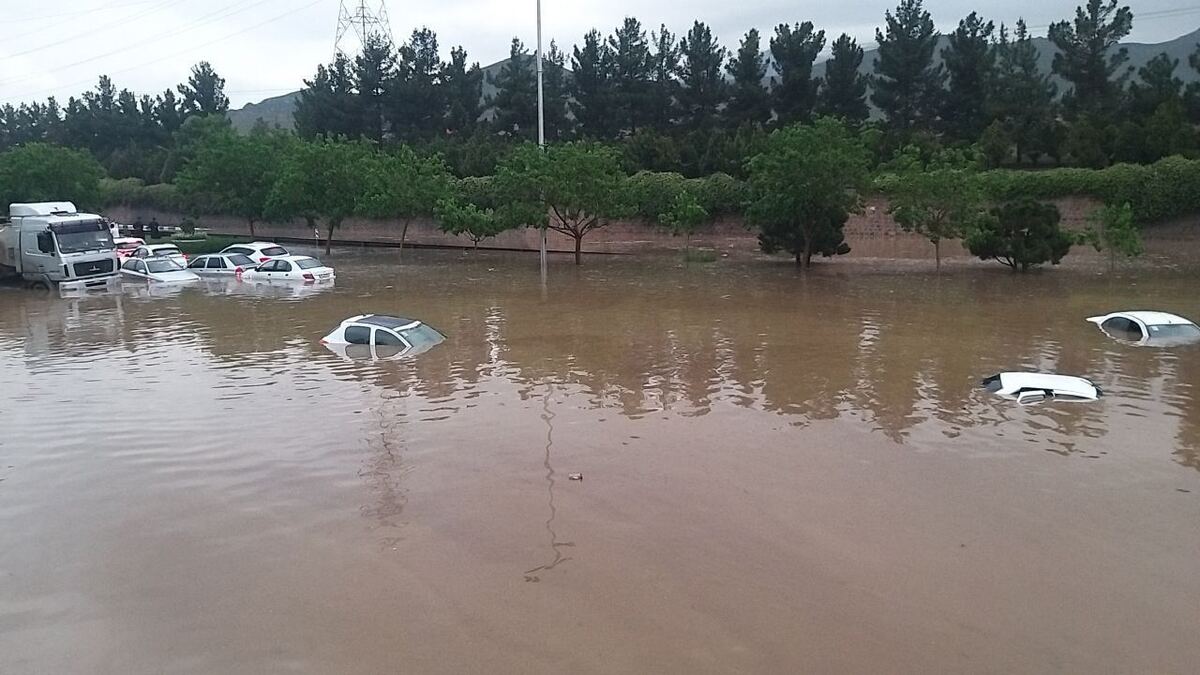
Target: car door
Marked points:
198	264
216	265
283	270
139	267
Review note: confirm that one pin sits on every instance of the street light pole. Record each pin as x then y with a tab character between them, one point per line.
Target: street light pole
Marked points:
541	122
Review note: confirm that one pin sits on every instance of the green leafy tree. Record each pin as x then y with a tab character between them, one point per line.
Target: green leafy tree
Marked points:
1113	230
700	72
592	89
803	187
631	66
400	184
1089	56
204	93
320	180
843	93
938	199
39	172
571	188
463	91
515	102
969	59
466	219
662	99
794	89
1021	96
749	100
683	216
1021	234
234	174
908	85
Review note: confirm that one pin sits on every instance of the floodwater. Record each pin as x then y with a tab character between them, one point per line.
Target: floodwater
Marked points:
780	474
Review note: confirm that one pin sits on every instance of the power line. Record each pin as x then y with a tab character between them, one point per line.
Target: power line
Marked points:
219	14
182	52
46	17
92	30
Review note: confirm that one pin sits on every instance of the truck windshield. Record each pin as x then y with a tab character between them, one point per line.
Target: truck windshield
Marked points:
79	237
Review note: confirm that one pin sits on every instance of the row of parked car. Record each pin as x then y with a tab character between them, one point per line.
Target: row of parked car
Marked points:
259	261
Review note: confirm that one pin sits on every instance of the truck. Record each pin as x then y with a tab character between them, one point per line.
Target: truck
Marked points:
52	244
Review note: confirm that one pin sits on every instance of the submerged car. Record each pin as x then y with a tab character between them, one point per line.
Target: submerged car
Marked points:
1151	329
221	264
290	268
259	251
169	251
164	270
380	336
127	245
1032	388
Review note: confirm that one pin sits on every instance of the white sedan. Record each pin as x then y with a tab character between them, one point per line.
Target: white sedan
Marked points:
1148	328
221	264
259	251
169	251
1032	388
163	270
377	336
290	268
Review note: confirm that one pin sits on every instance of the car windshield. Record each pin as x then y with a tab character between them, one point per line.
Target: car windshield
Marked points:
308	263
423	336
241	260
162	265
79	237
1174	330
274	251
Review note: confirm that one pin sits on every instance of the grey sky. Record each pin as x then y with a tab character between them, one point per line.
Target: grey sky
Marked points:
266	47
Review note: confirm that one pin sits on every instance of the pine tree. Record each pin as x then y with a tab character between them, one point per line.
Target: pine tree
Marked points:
328	104
794	91
662	100
700	72
1089	56
515	102
204	93
1156	84
749	101
462	86
969	60
630	73
418	97
1021	97
554	91
373	76
908	86
843	92
592	87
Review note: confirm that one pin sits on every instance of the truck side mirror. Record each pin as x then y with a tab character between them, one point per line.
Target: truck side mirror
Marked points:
45	242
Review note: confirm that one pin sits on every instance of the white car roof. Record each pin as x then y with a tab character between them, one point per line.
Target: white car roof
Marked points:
1148	318
294	258
1063	384
155	247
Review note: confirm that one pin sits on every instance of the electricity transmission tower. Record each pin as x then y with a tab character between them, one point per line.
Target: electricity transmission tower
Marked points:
358	18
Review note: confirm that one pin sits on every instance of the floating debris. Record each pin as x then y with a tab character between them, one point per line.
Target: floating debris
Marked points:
574	476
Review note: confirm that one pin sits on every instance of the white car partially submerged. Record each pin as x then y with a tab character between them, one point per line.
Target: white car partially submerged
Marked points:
160	270
258	251
1150	329
379	336
221	264
299	268
1033	388
171	251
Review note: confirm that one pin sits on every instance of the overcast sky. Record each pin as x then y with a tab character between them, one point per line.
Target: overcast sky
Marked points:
266	47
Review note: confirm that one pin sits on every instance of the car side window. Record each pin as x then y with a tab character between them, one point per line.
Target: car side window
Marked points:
197	263
141	267
385	337
130	264
243	251
268	266
140	253
1124	327
216	263
283	266
358	335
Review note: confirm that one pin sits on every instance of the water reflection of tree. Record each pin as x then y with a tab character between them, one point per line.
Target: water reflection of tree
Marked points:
384	469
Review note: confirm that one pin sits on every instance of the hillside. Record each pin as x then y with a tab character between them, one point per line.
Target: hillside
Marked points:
277	111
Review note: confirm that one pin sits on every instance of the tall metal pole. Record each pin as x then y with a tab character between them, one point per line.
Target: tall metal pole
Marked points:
541	121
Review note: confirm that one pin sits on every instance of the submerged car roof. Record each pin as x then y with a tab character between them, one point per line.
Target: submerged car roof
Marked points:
1013	382
1150	318
384	321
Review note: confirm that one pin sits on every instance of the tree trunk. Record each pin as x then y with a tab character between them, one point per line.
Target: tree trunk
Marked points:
579	249
937	254
329	239
252	235
804	257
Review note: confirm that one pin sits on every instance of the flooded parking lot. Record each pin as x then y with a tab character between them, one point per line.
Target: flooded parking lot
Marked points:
780	474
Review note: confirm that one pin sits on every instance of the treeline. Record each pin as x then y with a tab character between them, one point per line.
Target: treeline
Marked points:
687	104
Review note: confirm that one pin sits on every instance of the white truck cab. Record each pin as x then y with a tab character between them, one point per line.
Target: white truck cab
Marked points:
52	244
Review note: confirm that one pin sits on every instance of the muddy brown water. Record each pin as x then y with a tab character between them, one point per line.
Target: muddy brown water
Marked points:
780	474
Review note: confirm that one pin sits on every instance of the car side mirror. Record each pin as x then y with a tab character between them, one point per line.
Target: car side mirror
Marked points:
1031	397
45	242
